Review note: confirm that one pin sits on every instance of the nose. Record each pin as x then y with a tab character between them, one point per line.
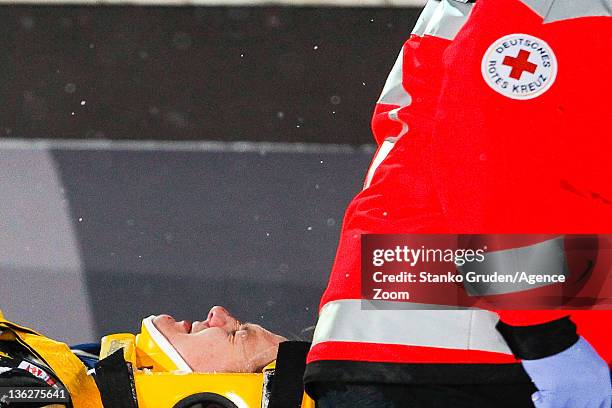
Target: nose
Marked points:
218	316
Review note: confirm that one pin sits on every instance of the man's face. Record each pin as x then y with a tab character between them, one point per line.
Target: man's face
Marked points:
220	343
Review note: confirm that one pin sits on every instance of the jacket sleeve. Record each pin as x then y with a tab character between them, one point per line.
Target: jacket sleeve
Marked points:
533	334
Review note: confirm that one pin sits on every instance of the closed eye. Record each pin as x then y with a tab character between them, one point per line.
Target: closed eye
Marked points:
243	330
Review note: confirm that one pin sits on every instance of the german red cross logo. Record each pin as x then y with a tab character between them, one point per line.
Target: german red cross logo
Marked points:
519	66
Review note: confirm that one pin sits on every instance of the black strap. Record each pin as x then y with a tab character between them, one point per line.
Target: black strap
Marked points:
288	386
540	340
115	380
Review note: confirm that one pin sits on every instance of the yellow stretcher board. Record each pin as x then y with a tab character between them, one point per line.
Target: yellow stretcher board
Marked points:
180	390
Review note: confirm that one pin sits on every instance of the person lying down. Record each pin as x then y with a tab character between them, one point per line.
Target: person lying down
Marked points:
219	344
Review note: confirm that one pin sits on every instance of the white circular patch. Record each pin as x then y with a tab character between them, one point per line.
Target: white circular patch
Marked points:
519	66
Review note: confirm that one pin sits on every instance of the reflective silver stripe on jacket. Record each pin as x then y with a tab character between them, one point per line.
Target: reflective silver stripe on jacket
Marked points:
449	328
381	155
556	10
544	258
445	20
425	17
393	92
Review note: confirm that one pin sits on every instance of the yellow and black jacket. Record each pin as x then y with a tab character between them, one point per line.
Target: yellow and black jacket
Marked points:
28	358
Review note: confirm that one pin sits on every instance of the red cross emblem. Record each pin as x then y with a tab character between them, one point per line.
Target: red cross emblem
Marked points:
519	64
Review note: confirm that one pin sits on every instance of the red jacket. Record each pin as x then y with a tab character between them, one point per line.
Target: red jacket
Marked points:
494	119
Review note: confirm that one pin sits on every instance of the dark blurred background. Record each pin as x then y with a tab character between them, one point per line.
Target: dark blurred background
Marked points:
153	205
190	73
